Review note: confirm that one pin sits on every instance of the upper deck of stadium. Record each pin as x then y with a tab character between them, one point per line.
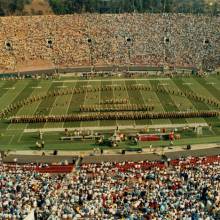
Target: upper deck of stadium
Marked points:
36	42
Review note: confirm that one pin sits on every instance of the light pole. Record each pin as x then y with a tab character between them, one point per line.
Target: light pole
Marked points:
211	8
164	6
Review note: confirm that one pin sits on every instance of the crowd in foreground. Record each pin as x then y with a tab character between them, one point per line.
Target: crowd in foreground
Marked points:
183	189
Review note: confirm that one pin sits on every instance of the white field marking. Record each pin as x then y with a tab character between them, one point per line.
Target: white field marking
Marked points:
61	86
33	113
160	104
106	80
191	103
9	88
121	127
99	103
112	85
36	87
87	86
186	83
144	100
210	83
176	104
163	84
129	103
67	109
52	107
15	96
113	93
19	139
11	139
84	101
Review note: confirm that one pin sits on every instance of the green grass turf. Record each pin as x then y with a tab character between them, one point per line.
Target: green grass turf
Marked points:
107	96
168	103
135	97
13	137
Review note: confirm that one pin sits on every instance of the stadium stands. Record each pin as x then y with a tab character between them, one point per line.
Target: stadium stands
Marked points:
55	169
185	188
124	39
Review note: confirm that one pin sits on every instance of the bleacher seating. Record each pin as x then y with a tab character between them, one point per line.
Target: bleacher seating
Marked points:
109	39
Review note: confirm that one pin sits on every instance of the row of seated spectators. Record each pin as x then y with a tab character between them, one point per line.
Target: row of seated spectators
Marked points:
45	168
183	189
115	39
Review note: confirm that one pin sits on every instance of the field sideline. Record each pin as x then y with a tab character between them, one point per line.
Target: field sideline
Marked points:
12	135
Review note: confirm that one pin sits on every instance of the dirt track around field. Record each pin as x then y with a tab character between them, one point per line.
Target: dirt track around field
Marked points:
112	155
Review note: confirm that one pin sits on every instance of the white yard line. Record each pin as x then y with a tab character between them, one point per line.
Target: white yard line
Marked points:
111	85
36	87
121	127
52	107
10	88
186	83
35	109
210	83
113	93
106	80
129	102
191	104
19	139
205	92
141	91
11	139
84	103
99	102
174	101
61	86
163	84
8	128
16	95
67	109
160	104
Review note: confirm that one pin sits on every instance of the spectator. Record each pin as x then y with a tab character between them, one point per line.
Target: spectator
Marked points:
109	39
188	189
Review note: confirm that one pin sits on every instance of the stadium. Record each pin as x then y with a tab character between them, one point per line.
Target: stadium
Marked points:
110	116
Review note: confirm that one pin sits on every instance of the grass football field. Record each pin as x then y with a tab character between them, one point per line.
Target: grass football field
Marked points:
13	91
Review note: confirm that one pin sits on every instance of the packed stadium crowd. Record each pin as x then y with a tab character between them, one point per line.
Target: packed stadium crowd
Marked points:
187	188
110	39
